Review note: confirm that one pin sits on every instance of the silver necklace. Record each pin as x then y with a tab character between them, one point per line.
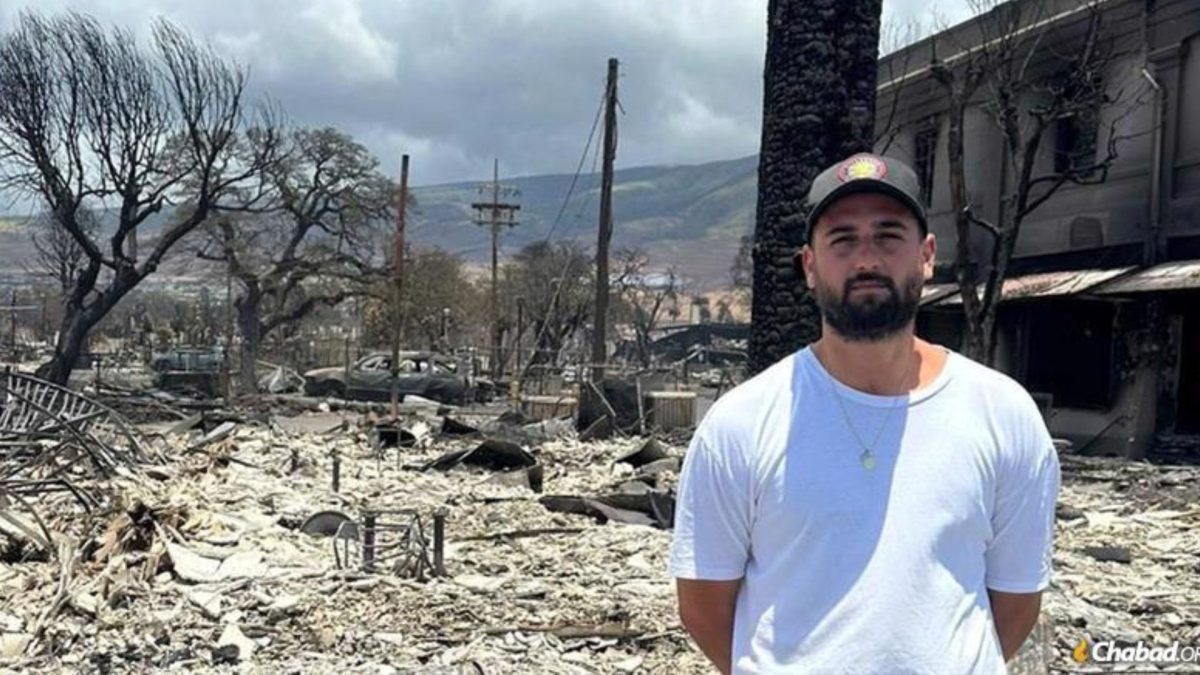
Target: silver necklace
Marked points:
867	457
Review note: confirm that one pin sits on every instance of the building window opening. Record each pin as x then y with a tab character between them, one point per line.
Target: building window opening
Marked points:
925	158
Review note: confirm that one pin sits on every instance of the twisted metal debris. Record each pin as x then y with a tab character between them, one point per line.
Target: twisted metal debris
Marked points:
52	439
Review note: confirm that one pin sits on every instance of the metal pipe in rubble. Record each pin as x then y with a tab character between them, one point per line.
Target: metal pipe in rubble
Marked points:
368	551
439	541
337	471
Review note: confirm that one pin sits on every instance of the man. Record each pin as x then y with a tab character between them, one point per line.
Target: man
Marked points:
872	503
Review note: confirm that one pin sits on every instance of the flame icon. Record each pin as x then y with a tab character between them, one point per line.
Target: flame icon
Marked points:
1081	651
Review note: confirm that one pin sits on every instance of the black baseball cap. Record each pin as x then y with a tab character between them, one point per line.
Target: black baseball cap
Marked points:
864	172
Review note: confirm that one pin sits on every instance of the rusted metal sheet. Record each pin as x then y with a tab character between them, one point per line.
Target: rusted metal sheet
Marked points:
650	451
654	508
931	293
1173	276
492	454
1047	285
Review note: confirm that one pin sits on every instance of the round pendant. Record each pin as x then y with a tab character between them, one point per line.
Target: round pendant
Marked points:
868	461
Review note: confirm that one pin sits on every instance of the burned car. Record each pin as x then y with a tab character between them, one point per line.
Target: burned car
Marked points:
190	370
189	359
426	374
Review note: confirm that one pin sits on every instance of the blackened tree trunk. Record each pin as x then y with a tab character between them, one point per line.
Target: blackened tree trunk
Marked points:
81	317
818	107
249	309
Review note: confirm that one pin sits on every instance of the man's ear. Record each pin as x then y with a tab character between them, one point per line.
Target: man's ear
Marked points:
928	255
802	262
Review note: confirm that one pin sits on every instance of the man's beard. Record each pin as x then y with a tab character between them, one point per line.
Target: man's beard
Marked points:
869	318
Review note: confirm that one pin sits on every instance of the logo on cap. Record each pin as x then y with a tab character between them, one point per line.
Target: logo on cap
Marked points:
860	167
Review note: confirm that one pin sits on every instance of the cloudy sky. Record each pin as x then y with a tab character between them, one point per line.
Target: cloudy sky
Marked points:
457	82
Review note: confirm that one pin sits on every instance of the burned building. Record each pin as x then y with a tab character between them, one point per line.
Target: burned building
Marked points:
1099	315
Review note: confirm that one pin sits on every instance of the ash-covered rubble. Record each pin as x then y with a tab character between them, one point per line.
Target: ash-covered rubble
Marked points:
198	562
196	559
1127	557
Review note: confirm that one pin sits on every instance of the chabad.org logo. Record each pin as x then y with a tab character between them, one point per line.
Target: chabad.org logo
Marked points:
1108	651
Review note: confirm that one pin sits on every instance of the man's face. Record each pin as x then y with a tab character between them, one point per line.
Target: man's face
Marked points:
866	263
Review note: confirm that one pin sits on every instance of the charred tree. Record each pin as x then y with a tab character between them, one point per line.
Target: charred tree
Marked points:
643	293
309	244
1037	93
91	122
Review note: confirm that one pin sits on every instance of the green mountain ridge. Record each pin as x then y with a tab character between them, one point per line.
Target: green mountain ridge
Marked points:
686	216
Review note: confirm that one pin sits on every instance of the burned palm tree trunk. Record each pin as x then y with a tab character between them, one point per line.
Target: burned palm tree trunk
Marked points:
818	107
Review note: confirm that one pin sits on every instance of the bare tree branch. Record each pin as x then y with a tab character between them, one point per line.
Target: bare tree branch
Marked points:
57	255
642	293
1035	82
307	235
893	37
90	121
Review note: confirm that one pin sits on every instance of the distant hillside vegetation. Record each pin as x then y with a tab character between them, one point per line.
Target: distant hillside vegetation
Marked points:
687	216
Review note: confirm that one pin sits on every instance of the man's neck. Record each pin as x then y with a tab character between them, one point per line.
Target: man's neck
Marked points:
889	367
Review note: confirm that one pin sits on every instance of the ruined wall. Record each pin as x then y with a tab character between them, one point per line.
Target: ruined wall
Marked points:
1159	37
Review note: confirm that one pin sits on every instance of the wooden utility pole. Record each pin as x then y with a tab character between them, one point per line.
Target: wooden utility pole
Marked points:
599	350
12	334
494	214
398	286
520	329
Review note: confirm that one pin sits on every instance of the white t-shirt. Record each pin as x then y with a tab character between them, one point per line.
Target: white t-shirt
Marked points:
868	571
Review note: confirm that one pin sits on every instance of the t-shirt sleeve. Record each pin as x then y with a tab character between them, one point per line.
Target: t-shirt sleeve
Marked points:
1019	553
712	514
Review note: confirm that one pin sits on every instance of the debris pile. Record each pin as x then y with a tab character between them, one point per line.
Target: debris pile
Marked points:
56	447
205	560
321	542
1127	555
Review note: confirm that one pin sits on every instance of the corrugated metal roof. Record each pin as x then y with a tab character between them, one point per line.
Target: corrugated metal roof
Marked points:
1172	276
1048	284
931	293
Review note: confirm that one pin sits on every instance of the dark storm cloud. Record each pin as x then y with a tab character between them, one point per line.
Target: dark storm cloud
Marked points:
455	83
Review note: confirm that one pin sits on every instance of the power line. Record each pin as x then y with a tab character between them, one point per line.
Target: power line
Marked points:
587	196
569	258
421	223
579	167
